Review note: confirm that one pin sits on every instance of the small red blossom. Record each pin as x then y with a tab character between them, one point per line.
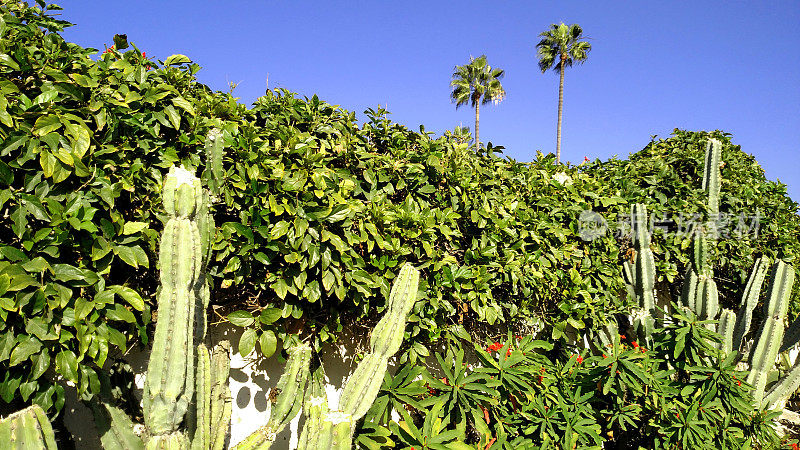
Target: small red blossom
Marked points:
738	383
580	359
519	338
622	337
605	356
541	379
678	415
494	347
634	344
585	159
794	446
508	352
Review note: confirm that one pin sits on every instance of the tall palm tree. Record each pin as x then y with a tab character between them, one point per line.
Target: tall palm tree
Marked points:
476	83
560	47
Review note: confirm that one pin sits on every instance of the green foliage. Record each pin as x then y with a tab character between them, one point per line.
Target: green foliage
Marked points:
678	394
84	143
666	176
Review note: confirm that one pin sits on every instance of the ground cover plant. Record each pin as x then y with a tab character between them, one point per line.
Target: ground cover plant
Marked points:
315	215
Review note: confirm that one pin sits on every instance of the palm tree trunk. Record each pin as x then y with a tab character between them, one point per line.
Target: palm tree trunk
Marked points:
560	108
477	119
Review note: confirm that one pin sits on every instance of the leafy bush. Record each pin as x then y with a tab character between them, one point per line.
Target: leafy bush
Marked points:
679	394
313	210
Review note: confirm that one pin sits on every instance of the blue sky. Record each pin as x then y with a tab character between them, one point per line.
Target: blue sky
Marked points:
654	66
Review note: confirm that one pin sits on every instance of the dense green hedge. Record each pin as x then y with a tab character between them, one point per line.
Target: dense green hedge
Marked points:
314	215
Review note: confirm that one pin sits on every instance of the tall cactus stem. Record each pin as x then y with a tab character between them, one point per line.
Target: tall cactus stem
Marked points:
220	395
763	356
711	175
750	296
27	429
169	386
214	151
727	323
290	386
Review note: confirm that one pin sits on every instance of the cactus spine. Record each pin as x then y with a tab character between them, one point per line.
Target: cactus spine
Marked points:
27	429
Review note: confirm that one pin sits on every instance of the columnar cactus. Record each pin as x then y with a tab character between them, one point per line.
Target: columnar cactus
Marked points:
27	429
700	290
214	151
213	398
186	397
169	386
700	295
336	427
291	387
642	274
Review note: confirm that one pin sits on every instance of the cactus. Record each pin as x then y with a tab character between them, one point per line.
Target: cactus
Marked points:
214	151
749	302
27	429
315	404
183	408
336	427
642	274
290	387
699	294
727	323
169	385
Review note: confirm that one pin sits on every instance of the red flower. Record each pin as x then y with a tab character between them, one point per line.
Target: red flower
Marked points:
622	337
519	338
604	356
508	352
144	54
580	359
794	446
634	344
585	159
541	379
678	415
494	347
738	383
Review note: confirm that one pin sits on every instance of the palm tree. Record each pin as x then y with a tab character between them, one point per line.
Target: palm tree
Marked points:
476	83
559	48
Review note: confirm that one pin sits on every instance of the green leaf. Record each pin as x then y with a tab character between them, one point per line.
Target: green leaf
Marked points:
26	347
120	42
46	124
241	318
247	342
183	104
133	227
119	312
177	59
129	295
67	365
268	343
270	315
174	117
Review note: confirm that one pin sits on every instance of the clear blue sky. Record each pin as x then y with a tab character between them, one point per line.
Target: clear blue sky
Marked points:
654	66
